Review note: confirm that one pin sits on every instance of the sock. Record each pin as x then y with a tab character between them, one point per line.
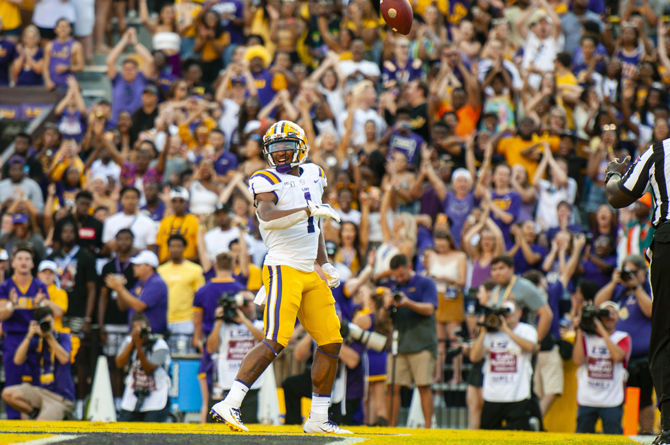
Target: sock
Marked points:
320	405
117	403
236	394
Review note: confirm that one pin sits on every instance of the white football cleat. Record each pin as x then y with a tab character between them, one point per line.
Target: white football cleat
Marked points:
222	412
323	426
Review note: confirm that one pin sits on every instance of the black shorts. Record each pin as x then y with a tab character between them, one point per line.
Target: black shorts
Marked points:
476	376
640	377
47	33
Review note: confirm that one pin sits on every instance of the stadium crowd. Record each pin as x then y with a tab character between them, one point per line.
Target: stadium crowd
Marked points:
467	161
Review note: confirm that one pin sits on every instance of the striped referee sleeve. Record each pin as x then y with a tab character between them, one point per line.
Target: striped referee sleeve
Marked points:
636	179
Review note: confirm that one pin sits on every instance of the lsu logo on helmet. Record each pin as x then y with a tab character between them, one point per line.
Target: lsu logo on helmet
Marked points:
285	136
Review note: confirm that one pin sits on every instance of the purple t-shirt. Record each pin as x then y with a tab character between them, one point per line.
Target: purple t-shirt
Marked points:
593	273
401	74
7	56
509	202
61	54
28	76
264	85
554	296
62	383
72	125
129	172
632	320
520	263
154	293
207	297
236	10
127	96
23	312
408	143
155	214
225	163
457	210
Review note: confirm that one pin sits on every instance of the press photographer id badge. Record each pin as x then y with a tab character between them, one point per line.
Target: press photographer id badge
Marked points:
46	379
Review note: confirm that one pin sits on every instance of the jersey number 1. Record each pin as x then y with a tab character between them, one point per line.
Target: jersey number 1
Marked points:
310	220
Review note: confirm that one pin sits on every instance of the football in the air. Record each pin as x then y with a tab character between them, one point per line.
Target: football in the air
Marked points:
397	14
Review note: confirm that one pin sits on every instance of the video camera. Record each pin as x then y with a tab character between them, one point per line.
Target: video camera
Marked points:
230	302
492	317
589	313
369	339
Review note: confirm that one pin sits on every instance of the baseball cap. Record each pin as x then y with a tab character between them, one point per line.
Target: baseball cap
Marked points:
222	207
20	218
150	89
145	257
48	265
331	248
609	304
16	160
4	256
179	192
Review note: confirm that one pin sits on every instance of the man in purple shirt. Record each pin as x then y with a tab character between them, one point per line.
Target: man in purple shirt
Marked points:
50	393
225	160
404	139
19	295
149	295
128	84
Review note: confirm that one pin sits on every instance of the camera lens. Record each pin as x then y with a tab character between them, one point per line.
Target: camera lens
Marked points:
45	326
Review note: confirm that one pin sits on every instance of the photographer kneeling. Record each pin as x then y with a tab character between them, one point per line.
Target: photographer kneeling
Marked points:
50	396
145	398
235	332
601	352
507	346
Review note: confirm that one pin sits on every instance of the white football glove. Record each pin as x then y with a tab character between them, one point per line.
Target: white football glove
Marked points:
332	276
323	210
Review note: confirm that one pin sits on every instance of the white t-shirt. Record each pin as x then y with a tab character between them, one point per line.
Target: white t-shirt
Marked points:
229	118
235	341
600	380
297	245
203	201
157	398
548	199
142	226
217	240
507	368
111	169
358	126
541	54
366	67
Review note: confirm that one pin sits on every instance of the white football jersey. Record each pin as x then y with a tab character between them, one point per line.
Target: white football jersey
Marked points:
296	246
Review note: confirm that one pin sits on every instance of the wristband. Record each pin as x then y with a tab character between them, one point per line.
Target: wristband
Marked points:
609	175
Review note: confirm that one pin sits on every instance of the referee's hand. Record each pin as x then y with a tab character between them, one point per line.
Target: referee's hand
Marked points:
620	167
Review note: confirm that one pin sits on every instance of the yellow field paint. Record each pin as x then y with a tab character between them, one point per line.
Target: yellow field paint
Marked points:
10	438
373	436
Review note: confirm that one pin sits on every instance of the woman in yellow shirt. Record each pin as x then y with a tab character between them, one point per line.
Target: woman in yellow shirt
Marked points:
210	41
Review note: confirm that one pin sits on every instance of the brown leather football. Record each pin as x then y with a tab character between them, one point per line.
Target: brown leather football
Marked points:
398	15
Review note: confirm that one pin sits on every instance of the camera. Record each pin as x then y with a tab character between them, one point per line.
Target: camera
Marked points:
45	326
589	313
627	274
230	303
397	297
492	317
145	332
369	339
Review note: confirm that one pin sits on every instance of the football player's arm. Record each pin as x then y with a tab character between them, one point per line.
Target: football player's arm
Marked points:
272	218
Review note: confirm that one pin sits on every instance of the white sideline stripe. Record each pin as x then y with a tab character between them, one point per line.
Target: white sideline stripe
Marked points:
646	440
48	440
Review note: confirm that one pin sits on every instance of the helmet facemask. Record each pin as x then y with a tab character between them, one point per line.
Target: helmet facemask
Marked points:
271	148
